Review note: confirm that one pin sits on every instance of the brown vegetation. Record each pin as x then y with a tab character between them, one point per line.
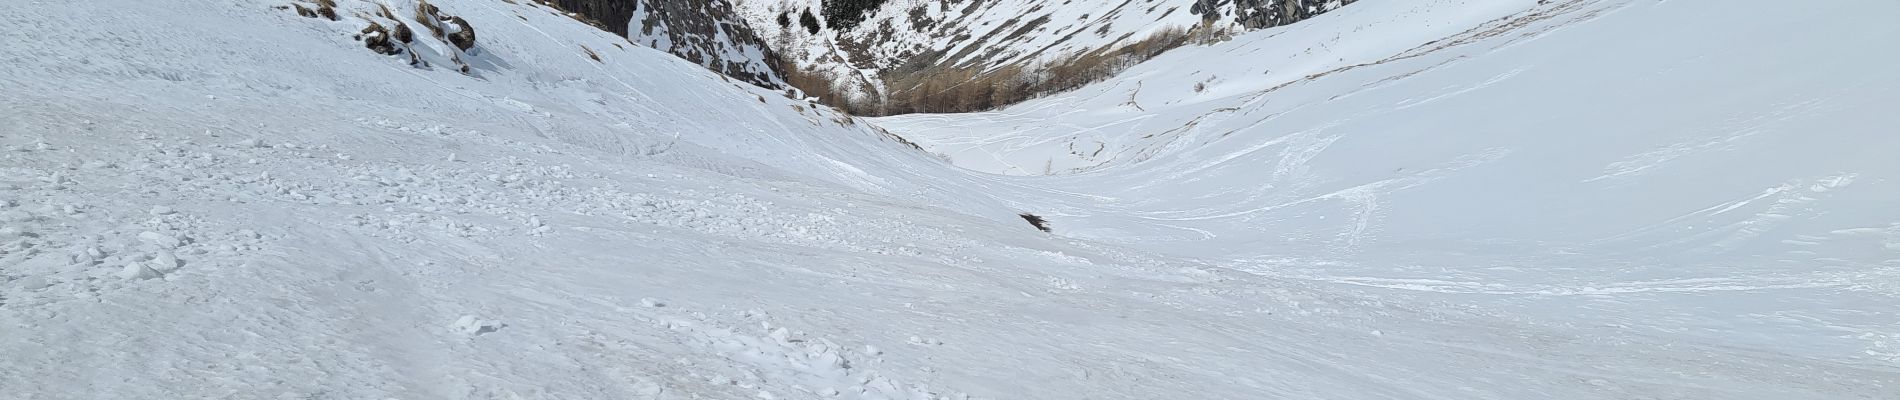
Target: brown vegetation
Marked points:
591	53
954	89
326	9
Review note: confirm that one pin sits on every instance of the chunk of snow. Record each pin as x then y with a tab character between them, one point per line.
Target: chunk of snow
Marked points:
165	261
32	283
137	270
161	240
472	326
15	216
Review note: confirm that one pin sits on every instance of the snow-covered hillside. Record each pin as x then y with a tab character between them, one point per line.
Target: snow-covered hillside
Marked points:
216	199
1601	162
896	39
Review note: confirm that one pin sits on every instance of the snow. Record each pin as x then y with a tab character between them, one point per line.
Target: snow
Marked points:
1598	163
548	226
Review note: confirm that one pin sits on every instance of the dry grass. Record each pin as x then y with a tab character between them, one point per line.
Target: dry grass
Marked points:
592	54
325	9
955	89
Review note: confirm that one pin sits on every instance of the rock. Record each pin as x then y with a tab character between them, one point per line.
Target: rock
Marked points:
451	28
377	39
163	210
464	35
650	302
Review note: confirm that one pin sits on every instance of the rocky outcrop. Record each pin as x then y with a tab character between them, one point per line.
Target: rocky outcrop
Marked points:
614	14
866	55
450	28
1256	14
709	33
706	32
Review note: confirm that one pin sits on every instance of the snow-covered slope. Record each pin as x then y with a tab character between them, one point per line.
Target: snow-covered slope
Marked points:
1598	161
216	199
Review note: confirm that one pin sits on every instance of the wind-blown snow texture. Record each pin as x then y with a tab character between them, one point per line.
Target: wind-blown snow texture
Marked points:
214	199
1601	162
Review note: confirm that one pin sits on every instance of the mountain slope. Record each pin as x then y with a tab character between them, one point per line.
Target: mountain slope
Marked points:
875	56
1590	161
215	199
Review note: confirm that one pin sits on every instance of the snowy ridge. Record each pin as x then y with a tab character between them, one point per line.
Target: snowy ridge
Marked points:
222	199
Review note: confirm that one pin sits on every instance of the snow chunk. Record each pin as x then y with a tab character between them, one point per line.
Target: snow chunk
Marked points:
137	270
165	261
15	216
32	283
161	240
473	326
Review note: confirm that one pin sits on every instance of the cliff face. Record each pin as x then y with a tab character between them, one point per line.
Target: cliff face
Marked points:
702	31
707	32
1256	14
613	13
876	56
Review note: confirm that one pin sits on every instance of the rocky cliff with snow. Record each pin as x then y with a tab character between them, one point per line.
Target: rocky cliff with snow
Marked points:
903	56
1255	14
706	32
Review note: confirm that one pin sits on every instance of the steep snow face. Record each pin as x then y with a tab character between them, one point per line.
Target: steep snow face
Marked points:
1592	160
217	199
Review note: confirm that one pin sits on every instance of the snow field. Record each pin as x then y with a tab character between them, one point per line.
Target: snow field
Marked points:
339	224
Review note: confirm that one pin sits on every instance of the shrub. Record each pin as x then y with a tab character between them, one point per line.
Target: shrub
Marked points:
810	22
1037	221
846	14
